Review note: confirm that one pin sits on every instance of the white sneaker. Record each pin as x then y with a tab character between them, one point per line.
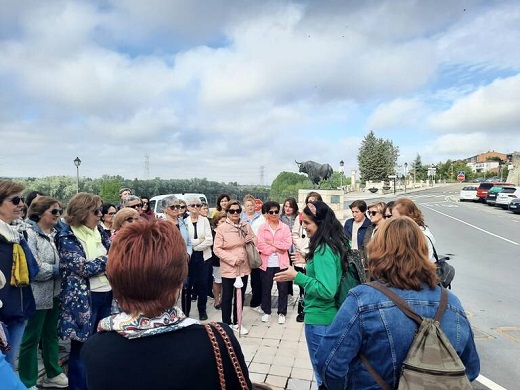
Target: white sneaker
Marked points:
266	317
243	329
258	309
61	381
281	319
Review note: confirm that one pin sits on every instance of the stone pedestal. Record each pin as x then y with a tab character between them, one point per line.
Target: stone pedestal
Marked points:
334	198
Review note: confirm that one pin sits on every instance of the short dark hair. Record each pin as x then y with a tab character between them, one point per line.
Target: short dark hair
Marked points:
40	205
145	251
292	203
31	196
269	205
360	204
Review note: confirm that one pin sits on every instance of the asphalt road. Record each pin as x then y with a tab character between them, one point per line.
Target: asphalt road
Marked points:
484	245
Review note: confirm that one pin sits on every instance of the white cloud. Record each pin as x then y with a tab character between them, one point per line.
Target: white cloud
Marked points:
399	112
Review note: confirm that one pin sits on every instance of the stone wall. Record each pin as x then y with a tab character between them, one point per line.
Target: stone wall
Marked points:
514	171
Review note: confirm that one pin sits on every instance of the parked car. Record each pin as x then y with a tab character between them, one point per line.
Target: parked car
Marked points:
507	195
491	197
514	206
483	189
155	202
468	193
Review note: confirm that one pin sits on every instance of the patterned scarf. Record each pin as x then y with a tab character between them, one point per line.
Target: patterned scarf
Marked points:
139	325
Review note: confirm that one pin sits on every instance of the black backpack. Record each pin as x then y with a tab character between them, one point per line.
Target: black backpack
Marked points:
445	271
431	362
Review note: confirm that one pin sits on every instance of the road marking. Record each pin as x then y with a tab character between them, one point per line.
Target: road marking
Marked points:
489	383
473	226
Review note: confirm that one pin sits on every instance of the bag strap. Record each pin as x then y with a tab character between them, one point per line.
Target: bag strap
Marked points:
210	330
406	309
433	247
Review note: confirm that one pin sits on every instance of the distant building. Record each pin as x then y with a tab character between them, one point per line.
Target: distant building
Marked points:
481	163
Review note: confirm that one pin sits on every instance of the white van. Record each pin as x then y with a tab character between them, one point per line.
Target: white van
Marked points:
155	202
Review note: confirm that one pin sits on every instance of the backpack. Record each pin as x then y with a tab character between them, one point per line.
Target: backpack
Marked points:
445	271
431	362
352	275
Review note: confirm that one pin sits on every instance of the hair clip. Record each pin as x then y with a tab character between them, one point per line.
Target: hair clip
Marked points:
312	208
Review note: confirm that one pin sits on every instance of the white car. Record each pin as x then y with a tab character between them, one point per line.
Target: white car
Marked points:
468	193
505	196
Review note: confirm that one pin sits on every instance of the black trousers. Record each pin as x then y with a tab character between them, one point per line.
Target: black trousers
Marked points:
267	286
256	287
229	298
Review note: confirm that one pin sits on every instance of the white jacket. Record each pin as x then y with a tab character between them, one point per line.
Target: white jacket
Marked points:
204	239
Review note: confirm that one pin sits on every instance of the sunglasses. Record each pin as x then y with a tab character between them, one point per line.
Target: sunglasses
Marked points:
136	206
56	211
130	219
273	212
174	207
196	205
182	207
387	216
234	211
98	212
17	199
373	213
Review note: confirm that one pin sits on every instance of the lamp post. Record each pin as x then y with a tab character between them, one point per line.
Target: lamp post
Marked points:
77	163
405	177
341	171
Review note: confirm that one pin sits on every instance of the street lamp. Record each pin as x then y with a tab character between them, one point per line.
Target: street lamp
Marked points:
77	163
405	168
341	171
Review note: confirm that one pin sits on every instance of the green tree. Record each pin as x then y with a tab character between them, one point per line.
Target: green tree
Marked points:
377	158
287	184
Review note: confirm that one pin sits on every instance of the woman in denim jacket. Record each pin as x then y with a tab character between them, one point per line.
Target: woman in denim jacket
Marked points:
370	323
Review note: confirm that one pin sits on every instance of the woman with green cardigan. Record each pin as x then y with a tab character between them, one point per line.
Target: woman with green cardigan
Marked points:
328	245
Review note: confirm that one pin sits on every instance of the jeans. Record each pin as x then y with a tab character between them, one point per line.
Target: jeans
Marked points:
43	325
100	305
228	297
314	334
267	286
14	332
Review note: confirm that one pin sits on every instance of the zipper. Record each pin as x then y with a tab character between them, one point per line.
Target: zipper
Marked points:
434	372
21	298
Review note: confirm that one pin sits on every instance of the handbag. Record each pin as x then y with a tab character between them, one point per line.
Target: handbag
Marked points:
445	271
211	329
253	256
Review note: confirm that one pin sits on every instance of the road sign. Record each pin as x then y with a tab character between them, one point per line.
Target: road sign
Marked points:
461	176
258	204
461	173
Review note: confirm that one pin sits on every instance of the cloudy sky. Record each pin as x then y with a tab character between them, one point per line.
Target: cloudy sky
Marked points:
228	89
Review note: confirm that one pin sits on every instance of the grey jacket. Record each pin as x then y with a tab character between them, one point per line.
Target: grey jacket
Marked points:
46	285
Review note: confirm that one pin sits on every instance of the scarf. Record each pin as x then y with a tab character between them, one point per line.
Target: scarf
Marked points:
138	325
20	269
91	240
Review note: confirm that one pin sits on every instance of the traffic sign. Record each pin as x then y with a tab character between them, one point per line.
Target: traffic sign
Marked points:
461	176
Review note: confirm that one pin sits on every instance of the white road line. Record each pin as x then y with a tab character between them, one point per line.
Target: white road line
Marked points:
473	226
489	383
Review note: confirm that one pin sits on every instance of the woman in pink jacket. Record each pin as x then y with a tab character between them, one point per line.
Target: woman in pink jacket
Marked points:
274	242
230	242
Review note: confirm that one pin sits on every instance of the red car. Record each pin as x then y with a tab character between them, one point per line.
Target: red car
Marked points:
484	187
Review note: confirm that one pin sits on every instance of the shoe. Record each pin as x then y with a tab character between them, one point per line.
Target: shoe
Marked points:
203	316
266	317
258	309
61	381
300	317
281	319
243	329
218	307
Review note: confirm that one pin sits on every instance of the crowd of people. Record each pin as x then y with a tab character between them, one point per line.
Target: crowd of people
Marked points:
118	283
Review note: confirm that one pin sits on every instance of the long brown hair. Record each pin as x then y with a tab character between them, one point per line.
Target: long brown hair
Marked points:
408	208
398	255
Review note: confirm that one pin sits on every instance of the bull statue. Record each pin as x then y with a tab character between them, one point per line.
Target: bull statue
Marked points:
316	172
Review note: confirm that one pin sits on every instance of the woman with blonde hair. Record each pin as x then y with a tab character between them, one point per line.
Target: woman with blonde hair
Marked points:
369	323
375	213
124	217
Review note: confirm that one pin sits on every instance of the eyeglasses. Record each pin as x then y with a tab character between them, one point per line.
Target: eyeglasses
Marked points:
17	199
198	205
56	211
234	211
387	216
130	219
174	207
273	212
136	206
373	213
